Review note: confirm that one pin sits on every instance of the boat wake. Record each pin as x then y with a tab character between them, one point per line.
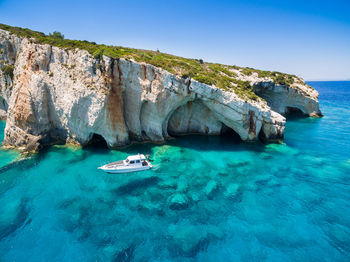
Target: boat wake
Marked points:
155	167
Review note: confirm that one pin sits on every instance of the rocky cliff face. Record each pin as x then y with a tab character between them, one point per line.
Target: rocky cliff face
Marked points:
55	95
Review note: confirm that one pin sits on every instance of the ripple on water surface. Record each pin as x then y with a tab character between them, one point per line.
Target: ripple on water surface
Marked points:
207	199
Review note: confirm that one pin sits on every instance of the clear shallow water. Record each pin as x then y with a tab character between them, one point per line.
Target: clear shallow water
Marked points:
207	199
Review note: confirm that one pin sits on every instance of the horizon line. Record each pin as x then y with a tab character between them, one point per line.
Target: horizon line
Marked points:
326	80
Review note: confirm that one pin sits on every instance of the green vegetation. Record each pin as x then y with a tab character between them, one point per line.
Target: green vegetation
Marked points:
281	79
278	77
222	76
248	71
56	34
8	70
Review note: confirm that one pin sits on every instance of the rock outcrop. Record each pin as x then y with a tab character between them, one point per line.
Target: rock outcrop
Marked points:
285	99
55	95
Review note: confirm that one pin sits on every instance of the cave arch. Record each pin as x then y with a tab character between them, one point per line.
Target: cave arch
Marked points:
262	136
293	112
97	140
192	117
229	133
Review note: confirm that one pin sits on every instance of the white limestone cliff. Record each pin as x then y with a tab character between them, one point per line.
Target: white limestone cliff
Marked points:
68	96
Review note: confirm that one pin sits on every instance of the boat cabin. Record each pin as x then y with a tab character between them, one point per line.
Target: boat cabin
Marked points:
139	159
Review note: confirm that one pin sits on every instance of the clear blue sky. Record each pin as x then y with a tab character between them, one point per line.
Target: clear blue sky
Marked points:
304	37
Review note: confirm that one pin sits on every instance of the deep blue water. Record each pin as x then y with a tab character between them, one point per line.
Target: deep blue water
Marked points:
207	199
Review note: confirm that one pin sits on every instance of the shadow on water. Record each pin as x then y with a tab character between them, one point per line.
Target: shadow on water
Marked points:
125	255
228	140
223	142
78	157
21	163
13	171
17	222
140	183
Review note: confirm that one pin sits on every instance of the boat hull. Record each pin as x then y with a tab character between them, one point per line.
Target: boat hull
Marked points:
125	170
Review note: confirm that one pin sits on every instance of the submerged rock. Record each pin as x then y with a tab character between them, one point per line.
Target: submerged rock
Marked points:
195	196
188	239
178	201
215	233
182	185
167	184
231	190
211	189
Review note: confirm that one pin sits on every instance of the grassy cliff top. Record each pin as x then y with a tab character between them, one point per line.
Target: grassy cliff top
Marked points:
223	76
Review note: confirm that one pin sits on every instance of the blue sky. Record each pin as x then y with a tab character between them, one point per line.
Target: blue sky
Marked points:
308	38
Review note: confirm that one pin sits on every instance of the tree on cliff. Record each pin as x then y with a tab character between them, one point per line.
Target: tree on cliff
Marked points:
56	34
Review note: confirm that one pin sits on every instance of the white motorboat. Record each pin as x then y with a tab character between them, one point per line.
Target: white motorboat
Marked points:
131	164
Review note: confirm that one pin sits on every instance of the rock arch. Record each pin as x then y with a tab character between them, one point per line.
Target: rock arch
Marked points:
295	111
97	140
193	117
235	119
229	133
282	97
154	115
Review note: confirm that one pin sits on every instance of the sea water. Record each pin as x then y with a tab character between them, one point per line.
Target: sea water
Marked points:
207	198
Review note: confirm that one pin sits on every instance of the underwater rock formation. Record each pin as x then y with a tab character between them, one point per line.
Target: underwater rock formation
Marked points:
55	95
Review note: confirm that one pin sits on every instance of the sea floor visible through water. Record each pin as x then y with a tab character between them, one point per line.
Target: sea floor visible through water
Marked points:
207	198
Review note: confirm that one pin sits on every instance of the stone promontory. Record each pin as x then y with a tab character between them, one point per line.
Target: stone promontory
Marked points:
55	91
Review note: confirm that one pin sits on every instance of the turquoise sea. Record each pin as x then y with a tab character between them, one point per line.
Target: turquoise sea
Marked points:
207	199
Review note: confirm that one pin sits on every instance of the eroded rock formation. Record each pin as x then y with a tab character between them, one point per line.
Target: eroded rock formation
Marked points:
284	99
60	96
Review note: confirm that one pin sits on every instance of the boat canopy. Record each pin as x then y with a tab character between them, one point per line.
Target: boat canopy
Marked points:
136	157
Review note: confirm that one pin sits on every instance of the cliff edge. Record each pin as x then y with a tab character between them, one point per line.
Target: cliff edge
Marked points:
51	93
